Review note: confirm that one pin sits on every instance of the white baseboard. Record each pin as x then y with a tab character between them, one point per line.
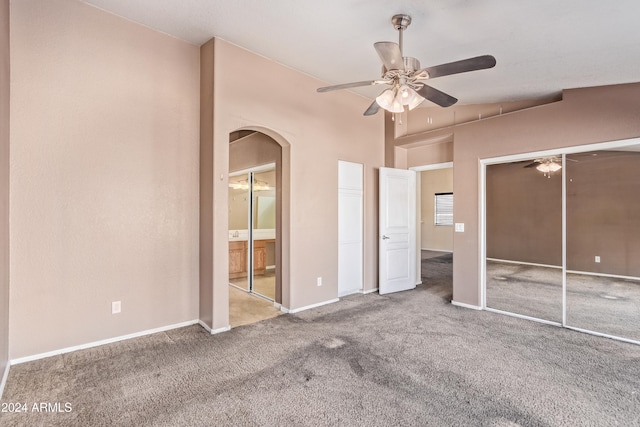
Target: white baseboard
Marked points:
351	292
204	326
308	307
369	291
220	330
612	276
461	304
506	261
213	331
101	342
4	378
437	250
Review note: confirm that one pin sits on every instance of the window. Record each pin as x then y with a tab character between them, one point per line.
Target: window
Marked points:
444	209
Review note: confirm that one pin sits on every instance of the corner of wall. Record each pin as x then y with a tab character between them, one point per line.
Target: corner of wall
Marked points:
4	189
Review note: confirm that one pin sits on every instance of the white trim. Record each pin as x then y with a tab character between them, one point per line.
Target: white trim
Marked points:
482	237
368	291
308	307
4	378
464	305
573	328
437	250
204	325
220	330
436	166
615	276
349	292
101	342
600	334
270	267
586	273
564	240
506	261
284	309
257	169
522	316
559	151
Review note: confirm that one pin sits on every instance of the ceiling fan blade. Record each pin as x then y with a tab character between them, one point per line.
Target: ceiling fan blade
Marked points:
347	85
373	109
436	96
390	55
457	67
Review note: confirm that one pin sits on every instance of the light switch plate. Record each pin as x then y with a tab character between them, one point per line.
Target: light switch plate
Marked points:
459	227
116	307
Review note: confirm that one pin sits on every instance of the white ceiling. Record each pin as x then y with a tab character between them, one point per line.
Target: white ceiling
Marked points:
541	46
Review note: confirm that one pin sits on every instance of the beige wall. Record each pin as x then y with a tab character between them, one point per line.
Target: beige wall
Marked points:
104	177
318	130
434	237
524	214
584	116
4	186
603	213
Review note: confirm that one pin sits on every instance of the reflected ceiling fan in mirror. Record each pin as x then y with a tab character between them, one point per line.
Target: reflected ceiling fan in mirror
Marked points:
406	80
548	165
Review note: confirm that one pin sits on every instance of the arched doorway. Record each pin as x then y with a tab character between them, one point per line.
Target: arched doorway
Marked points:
258	224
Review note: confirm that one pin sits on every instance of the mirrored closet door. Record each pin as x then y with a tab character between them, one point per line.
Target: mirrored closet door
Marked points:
524	238
252	231
562	239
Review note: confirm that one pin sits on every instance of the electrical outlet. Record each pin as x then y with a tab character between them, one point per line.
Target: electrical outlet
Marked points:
319	281
459	227
116	307
597	258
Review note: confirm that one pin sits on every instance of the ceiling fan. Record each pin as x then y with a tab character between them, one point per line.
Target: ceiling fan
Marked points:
406	79
548	165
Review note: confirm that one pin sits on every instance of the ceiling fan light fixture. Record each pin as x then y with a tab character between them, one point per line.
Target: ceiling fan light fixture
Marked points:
548	167
390	101
410	97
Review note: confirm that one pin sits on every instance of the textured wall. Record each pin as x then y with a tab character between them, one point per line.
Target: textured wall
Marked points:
319	129
435	237
524	214
584	116
603	213
4	185
104	177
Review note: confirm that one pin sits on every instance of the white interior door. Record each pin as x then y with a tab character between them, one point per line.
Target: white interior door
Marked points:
397	229
350	228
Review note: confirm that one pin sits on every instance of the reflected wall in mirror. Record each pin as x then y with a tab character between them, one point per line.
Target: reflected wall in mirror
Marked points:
238	220
265	200
603	242
524	238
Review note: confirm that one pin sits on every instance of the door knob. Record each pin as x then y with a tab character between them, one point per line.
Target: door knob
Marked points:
385	237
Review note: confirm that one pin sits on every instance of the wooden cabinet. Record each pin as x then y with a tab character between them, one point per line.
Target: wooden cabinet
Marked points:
259	256
238	258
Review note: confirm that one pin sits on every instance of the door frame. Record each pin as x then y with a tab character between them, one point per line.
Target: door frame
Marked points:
423	168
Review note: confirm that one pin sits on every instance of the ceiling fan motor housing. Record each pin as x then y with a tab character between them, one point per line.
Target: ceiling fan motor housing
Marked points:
401	22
